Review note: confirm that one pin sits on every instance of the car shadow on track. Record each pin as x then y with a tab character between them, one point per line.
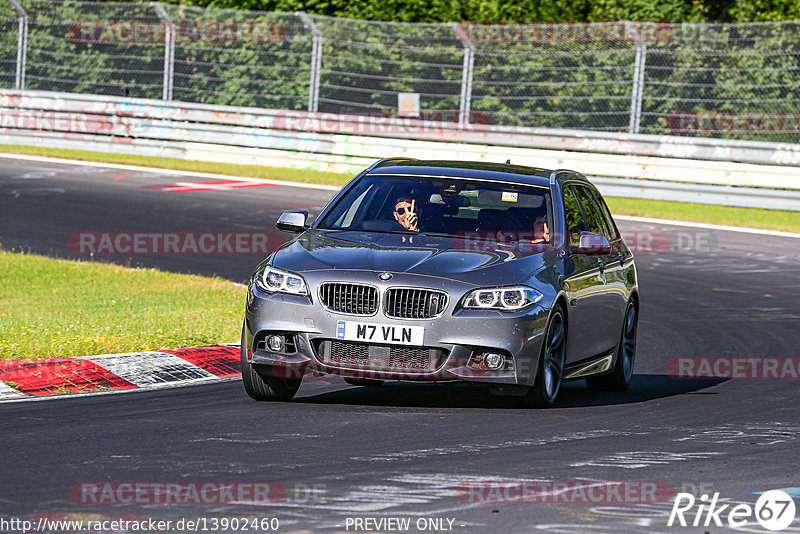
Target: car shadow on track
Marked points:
644	387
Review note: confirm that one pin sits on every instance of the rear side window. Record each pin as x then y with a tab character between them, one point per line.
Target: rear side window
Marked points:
573	218
606	215
593	220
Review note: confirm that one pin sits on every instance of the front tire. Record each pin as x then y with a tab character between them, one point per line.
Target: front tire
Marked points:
545	388
263	387
620	378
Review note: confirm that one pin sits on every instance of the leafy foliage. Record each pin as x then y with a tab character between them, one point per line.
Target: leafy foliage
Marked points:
527	10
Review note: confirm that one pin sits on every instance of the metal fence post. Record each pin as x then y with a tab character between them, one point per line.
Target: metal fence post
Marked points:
638	87
169	49
637	92
22	44
466	76
316	61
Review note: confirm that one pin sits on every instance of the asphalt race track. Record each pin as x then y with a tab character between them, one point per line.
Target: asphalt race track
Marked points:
408	451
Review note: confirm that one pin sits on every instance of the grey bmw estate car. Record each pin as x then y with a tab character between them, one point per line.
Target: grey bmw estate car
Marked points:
438	271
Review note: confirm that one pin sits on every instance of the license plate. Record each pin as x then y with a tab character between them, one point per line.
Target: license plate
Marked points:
380	333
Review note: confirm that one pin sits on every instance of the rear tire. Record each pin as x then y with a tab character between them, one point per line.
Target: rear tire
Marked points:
263	387
364	382
620	378
545	388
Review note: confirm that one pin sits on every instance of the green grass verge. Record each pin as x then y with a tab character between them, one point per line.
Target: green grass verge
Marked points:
787	221
54	308
784	221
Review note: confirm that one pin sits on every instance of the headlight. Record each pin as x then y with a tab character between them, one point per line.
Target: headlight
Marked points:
274	280
502	298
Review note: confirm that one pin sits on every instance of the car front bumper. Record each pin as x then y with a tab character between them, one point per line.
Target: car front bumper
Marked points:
452	348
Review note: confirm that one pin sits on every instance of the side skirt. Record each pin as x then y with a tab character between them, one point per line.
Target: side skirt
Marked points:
592	366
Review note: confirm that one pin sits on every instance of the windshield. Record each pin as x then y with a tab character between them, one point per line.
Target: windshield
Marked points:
448	207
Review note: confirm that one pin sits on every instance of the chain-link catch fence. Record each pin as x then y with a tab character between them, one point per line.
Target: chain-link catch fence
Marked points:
721	80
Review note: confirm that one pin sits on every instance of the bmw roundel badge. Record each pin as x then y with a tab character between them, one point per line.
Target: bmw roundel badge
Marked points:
385	276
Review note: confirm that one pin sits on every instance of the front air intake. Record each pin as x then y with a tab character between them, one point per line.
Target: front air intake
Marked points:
409	303
355	299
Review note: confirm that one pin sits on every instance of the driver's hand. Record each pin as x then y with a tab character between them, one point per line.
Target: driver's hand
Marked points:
412	221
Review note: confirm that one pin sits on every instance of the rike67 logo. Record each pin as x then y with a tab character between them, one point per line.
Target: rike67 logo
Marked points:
774	510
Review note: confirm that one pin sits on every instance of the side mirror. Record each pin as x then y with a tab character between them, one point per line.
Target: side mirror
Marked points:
591	243
292	221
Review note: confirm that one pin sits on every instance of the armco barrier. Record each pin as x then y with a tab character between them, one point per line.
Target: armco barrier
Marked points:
346	143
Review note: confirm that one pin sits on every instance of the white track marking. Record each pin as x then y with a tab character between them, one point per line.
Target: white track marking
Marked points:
708	226
760	435
156	170
391	497
482	448
335	188
639	459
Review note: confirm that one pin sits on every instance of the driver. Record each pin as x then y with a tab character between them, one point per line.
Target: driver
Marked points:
406	213
541	232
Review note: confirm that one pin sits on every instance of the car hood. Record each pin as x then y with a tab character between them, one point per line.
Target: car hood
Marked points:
478	262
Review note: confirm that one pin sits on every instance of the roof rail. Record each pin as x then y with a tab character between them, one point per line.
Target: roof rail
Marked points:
385	161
